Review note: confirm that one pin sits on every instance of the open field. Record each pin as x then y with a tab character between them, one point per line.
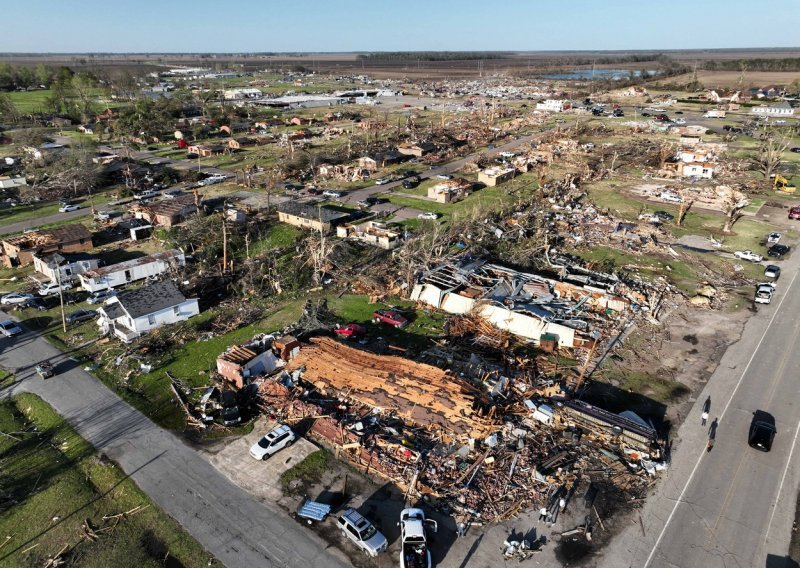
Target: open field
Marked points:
733	79
58	484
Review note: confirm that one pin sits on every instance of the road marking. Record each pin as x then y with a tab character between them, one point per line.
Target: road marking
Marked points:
780	487
721	416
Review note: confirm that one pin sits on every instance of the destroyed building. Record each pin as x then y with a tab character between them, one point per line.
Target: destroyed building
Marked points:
240	363
528	305
19	251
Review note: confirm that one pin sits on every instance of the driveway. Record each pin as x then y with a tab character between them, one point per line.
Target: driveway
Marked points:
233	526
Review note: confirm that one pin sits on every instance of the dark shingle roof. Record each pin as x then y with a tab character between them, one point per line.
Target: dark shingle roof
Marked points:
309	211
151	298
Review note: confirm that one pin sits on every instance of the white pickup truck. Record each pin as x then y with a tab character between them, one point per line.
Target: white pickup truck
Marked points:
415	552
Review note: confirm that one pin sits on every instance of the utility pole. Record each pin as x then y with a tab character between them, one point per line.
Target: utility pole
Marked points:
224	244
61	298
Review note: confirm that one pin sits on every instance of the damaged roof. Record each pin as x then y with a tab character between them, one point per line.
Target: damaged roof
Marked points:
309	211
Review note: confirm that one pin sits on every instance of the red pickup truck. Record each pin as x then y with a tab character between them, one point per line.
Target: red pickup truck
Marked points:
390	317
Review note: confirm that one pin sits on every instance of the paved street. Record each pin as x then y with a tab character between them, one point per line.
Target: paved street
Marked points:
236	528
734	505
34	222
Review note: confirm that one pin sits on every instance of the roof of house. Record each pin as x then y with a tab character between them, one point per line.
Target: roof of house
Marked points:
56	258
238	354
171	207
48	237
128	264
309	211
150	299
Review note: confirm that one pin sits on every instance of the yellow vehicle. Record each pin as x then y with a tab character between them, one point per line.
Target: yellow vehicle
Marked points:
782	184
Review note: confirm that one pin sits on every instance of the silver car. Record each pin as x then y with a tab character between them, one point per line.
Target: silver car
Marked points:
359	530
278	438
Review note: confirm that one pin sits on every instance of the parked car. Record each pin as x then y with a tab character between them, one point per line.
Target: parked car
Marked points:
444	176
796	150
15	298
762	431
101	296
774	237
172	194
331	193
36	304
10	328
146	194
350	330
411	182
80	316
359	530
679	121
748	255
382	181
671	197
313	191
772	271
230	409
794	212
102	215
390	317
764	293
430	216
278	438
53	288
68	208
778	250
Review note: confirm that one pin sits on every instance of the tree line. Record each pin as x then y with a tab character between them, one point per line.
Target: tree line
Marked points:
13	77
432	55
758	64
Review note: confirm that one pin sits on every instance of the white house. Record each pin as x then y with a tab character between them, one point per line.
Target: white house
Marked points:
136	312
131	270
554	105
244	93
70	265
777	109
699	169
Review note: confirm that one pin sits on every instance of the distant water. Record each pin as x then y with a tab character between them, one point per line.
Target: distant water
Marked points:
584	74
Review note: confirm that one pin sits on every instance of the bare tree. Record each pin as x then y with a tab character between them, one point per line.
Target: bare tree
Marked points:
769	156
734	205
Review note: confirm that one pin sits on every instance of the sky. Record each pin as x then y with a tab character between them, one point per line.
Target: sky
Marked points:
164	26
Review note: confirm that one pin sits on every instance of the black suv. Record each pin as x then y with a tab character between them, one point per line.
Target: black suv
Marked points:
777	251
762	431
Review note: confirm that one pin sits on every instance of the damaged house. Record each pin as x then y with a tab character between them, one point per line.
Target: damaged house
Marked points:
240	363
131	270
373	233
19	251
135	312
527	305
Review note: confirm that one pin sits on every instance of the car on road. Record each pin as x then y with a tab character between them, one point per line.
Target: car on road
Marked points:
80	316
748	255
671	197
430	216
331	193
411	182
211	180
360	531
54	288
10	328
774	238
145	194
313	191
101	296
762	431
764	293
679	121
68	208
772	271
276	439
778	250
444	176
383	181
390	317
16	298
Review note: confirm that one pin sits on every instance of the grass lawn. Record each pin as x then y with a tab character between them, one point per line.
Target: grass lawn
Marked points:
56	482
279	235
38	210
29	101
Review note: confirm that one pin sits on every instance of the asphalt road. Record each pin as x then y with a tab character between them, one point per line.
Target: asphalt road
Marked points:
732	506
232	525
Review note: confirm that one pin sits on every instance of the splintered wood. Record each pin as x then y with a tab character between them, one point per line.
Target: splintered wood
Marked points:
417	393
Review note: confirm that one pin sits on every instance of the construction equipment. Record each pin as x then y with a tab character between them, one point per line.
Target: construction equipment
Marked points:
780	183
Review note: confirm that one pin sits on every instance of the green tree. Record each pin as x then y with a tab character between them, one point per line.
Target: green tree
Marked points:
8	110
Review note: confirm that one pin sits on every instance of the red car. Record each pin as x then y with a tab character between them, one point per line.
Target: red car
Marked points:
390	317
350	330
794	212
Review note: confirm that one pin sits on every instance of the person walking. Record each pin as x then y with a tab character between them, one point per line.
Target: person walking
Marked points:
704	418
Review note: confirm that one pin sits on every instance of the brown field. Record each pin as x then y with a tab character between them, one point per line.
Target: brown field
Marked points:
731	79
